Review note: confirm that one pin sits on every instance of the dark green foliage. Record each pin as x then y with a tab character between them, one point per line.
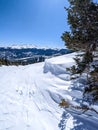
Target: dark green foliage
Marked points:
83	22
94	75
8	62
83	36
4	61
81	63
91	90
92	86
72	69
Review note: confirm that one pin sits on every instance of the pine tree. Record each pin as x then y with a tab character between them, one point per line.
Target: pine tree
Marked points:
83	22
83	35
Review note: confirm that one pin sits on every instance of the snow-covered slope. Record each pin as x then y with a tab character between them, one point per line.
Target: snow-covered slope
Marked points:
30	97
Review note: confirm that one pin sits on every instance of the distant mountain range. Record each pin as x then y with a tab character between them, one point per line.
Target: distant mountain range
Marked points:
29	54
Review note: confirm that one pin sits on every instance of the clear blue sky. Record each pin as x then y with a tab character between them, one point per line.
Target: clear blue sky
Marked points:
39	22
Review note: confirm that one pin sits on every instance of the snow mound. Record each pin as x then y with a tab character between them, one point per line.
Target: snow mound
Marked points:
59	64
54	69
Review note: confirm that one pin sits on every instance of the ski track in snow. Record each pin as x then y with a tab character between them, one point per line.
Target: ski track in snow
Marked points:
30	97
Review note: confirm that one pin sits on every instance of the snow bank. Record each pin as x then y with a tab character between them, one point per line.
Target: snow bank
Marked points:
58	65
30	97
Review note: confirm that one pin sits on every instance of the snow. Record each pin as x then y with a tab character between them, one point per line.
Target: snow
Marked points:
23	46
30	97
28	46
58	66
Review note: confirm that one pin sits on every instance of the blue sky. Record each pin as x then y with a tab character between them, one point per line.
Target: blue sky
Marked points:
39	22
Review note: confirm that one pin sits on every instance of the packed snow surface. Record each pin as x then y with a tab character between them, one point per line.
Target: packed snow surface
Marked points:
30	97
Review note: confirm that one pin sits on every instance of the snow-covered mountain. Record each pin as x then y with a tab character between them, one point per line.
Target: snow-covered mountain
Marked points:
24	46
28	46
29	54
30	97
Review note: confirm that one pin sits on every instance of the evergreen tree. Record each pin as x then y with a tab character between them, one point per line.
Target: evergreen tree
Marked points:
83	22
83	35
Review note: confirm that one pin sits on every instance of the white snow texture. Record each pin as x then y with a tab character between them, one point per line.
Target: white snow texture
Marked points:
30	97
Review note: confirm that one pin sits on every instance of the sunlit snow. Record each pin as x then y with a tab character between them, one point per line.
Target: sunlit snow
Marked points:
30	97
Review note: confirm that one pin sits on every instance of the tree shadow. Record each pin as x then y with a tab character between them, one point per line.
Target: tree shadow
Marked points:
76	121
63	121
